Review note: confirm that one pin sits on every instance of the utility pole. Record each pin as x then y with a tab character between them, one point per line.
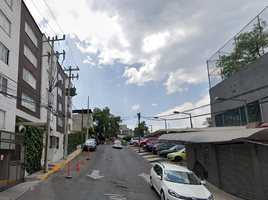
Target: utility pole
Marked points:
51	86
82	129
87	117
139	118
68	109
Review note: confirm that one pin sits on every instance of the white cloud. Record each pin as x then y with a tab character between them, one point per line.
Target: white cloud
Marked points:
136	107
197	121
154	104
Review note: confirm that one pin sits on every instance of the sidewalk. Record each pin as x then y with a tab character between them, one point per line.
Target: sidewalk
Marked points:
33	179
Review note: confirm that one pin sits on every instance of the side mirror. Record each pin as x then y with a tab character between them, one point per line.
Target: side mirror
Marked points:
203	182
159	177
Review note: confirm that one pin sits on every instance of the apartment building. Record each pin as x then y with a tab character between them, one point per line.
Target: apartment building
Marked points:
25	70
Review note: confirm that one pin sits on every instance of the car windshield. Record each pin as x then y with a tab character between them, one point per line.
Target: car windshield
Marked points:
181	150
181	177
117	142
90	142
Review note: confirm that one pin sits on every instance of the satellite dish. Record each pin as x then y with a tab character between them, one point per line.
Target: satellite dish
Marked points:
22	129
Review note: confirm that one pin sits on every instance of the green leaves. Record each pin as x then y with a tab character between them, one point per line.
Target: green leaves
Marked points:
248	47
33	139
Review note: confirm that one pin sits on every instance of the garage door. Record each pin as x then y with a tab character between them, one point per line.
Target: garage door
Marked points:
236	170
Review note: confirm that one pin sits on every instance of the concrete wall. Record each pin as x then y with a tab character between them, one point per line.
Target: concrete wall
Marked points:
250	78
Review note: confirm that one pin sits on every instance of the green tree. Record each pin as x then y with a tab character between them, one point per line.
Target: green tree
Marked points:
105	123
143	128
208	122
248	47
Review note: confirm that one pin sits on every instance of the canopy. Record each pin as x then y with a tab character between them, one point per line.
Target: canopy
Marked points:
220	134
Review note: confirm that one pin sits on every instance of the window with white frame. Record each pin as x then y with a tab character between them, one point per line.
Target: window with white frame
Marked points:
2	118
30	33
29	78
4	53
60	107
9	3
60	92
60	122
5	23
29	54
28	102
3	85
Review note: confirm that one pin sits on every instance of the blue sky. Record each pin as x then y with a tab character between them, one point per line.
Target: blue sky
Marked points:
143	56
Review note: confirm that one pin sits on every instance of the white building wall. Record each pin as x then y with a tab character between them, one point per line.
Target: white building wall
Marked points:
8	105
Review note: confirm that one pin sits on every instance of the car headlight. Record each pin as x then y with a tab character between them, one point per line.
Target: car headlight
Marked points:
174	194
171	154
210	197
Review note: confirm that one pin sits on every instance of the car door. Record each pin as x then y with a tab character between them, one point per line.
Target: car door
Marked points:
158	182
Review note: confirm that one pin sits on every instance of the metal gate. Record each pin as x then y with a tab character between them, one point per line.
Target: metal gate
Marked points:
236	170
11	159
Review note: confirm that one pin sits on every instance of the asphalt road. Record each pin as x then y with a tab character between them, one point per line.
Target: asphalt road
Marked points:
110	174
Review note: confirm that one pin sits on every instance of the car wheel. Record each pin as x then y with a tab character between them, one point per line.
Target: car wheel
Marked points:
177	159
162	195
151	184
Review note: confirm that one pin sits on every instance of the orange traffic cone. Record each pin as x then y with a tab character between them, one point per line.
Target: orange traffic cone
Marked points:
77	166
84	162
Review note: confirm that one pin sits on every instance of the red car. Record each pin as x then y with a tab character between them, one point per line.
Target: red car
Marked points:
145	141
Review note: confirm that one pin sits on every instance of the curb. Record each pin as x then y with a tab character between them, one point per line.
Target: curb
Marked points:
58	166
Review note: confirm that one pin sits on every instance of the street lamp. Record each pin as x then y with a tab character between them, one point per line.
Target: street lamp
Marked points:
48	122
177	112
163	119
244	101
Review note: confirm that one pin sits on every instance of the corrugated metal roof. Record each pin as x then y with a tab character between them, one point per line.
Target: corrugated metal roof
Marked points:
221	134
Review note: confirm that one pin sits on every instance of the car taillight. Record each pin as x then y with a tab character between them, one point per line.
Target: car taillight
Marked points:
156	145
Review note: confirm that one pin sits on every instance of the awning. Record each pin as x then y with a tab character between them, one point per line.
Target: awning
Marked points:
220	134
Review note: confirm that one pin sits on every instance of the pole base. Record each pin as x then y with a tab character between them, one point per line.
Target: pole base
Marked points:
88	159
68	177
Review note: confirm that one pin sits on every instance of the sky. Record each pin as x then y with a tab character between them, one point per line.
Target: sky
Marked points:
143	56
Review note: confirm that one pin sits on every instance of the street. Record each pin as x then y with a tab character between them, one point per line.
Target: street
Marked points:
116	174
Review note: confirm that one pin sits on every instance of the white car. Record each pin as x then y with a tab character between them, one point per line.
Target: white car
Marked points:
117	144
173	182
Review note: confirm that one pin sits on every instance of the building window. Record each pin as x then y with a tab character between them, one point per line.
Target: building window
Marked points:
60	92
54	142
5	23
9	3
3	85
60	122
30	33
2	118
29	54
28	102
29	78
60	106
4	53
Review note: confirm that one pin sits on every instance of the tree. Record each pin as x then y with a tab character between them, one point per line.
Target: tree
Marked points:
105	123
208	122
143	129
248	47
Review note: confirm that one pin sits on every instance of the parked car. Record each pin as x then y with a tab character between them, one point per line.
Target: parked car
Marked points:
90	144
95	139
171	150
145	141
177	156
124	142
134	140
117	144
161	146
177	182
149	145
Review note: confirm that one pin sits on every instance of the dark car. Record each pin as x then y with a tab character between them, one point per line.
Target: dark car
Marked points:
150	145
171	150
161	146
90	144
